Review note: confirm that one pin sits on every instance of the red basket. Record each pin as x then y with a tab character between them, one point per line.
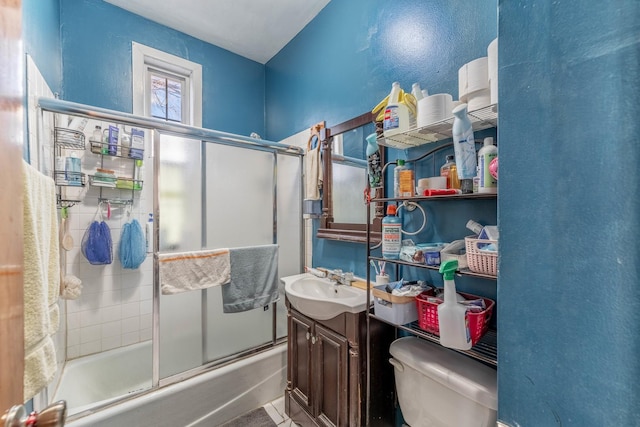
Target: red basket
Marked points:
428	315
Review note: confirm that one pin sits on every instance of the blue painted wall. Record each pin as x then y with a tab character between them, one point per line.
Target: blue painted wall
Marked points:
569	297
41	35
343	63
96	52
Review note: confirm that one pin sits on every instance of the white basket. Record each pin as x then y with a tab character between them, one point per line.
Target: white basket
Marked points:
484	262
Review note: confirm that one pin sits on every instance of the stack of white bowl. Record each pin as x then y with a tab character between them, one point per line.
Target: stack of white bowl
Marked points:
473	84
492	53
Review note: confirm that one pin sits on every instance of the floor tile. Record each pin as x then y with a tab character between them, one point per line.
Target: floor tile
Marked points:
273	413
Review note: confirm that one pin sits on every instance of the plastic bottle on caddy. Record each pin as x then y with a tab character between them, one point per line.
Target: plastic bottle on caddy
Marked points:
487	183
374	165
464	147
449	171
403	180
149	233
452	317
391	234
396	114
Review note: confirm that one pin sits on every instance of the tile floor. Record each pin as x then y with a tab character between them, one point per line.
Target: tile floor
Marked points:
275	410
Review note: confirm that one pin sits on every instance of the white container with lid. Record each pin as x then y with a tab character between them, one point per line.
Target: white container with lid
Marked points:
438	387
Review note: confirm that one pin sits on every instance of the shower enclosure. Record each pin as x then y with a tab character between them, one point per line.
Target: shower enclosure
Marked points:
206	190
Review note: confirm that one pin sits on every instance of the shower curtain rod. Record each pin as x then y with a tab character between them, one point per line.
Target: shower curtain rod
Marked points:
66	107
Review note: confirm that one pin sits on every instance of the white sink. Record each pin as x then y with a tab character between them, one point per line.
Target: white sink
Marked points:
322	299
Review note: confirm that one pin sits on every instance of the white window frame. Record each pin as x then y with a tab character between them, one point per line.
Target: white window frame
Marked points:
145	58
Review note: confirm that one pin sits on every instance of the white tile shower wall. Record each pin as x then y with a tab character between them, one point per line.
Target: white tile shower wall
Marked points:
114	309
300	140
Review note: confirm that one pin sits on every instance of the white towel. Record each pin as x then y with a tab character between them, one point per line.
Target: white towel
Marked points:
313	168
189	271
41	279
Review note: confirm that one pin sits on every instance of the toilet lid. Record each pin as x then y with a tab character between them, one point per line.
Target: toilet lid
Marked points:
453	370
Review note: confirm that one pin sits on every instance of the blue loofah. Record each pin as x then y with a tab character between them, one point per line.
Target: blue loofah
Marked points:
97	246
132	249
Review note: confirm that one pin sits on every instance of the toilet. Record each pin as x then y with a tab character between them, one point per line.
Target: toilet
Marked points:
438	387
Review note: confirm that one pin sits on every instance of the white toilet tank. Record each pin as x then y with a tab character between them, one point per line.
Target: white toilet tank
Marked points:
438	387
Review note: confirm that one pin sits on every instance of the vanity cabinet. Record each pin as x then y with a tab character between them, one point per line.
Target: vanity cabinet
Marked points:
326	373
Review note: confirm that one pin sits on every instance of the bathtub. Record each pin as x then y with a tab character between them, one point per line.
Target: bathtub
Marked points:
211	398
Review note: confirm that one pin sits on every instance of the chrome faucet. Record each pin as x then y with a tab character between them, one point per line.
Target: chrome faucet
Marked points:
340	278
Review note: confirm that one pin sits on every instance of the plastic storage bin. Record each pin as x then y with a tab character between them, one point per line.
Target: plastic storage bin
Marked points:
485	262
394	309
428	315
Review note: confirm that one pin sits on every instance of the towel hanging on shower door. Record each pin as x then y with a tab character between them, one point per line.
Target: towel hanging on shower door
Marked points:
313	164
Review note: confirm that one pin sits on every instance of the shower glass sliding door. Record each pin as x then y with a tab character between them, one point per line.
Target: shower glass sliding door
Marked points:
220	196
180	222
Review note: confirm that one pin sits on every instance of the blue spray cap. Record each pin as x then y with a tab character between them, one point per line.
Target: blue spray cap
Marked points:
150	217
372	144
448	268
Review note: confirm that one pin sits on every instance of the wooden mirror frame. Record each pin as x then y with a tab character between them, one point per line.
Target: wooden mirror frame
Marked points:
329	229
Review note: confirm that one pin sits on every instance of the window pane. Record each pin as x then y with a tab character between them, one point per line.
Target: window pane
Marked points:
158	97
174	100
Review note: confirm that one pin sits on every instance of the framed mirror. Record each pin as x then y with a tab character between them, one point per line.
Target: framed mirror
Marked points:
344	210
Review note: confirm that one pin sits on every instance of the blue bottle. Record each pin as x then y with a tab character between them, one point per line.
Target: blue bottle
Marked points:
391	234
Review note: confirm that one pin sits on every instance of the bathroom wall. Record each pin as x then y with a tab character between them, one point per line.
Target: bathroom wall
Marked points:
569	303
41	35
343	63
96	55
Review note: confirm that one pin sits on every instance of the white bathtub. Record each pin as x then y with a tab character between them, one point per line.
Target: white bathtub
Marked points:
208	399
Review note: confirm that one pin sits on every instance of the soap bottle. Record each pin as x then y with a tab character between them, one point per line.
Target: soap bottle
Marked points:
452	316
391	234
149	233
464	147
374	165
396	114
398	172
138	175
406	182
445	170
487	183
73	169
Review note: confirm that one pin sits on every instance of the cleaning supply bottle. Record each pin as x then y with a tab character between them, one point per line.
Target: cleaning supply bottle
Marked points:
452	317
374	165
464	147
416	92
396	114
391	234
487	184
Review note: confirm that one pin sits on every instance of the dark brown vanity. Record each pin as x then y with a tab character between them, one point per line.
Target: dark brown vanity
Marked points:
326	371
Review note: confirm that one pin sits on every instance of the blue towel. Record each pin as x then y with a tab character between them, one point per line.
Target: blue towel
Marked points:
254	278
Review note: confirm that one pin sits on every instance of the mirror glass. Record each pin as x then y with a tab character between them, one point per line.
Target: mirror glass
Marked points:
344	212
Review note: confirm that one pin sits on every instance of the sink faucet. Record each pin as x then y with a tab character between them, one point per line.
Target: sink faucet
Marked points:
340	278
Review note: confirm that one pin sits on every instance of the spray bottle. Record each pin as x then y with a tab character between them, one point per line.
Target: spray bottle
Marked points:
391	234
452	317
374	166
464	146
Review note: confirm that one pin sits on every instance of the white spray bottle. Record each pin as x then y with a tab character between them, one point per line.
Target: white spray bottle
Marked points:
452	317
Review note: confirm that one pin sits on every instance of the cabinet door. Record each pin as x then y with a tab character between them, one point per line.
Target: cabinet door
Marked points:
300	368
330	352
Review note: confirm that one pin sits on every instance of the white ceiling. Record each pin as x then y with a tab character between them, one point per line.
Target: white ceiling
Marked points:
255	29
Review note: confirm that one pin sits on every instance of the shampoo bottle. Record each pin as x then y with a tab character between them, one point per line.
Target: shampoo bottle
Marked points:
452	317
396	115
391	234
374	165
487	183
397	175
464	147
445	170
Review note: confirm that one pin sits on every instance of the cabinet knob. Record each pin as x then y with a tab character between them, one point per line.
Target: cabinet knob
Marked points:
313	340
308	336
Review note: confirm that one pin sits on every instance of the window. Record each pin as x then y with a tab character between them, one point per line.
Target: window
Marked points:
166	86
